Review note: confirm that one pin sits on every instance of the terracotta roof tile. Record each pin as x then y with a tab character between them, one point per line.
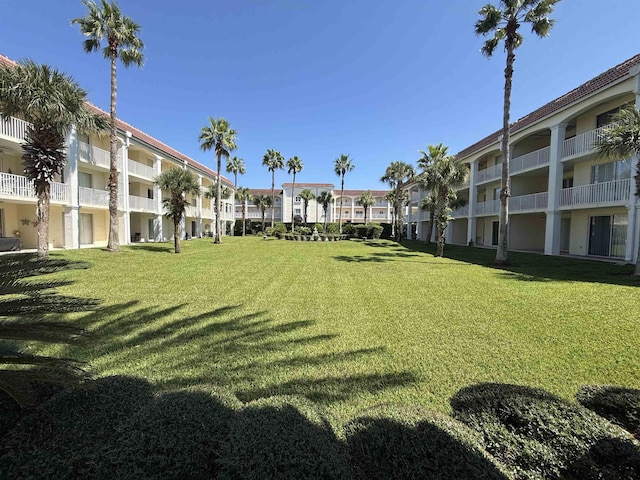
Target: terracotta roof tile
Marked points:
604	79
355	193
327	185
263	191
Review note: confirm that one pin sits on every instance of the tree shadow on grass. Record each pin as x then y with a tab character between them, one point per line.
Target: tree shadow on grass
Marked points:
248	352
530	267
155	247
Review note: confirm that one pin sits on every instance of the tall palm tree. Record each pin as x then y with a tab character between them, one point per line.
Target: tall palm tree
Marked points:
262	202
397	175
434	153
366	200
236	166
179	183
390	197
243	194
273	160
221	138
52	103
503	23
294	166
325	199
430	203
105	22
306	195
621	139
212	193
342	166
442	176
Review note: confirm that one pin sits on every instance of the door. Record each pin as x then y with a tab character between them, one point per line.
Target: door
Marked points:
495	228
193	230
600	235
565	234
86	229
152	230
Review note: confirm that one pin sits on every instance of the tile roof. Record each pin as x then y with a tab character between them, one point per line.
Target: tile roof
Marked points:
604	79
355	193
327	185
264	191
144	137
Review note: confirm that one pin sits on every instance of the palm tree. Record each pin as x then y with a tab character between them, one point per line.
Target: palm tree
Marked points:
179	183
243	194
441	177
397	175
621	139
52	103
306	195
236	166
212	192
366	200
503	23
342	166
262	202
105	22
273	160
294	165
430	203
221	138
325	199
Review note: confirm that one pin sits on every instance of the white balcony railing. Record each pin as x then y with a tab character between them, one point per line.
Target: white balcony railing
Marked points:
617	191
95	155
491	207
460	212
93	197
140	170
535	201
13	127
208	213
530	160
142	204
18	186
191	211
488	174
581	144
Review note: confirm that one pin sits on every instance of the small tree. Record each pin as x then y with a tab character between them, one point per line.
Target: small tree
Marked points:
236	166
243	194
325	199
366	200
341	166
306	195
262	202
621	139
273	160
294	166
212	193
397	175
179	183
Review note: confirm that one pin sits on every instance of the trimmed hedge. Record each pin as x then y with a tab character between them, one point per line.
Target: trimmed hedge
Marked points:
401	442
542	436
619	405
370	230
283	438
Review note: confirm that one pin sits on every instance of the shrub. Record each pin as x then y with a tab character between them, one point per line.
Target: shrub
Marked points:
376	230
408	442
348	229
284	438
361	231
333	228
319	227
542	436
304	230
617	404
279	228
269	231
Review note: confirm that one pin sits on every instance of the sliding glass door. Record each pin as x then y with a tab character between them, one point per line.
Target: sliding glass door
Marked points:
608	235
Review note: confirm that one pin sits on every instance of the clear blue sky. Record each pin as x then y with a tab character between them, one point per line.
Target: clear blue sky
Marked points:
378	80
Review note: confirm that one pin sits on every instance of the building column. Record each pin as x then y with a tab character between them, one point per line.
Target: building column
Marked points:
409	218
199	209
71	211
554	216
124	181
157	197
632	239
473	196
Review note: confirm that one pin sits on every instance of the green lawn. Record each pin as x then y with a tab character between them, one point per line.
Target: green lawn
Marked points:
351	324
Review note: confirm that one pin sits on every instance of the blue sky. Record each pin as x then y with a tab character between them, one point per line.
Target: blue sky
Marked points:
378	80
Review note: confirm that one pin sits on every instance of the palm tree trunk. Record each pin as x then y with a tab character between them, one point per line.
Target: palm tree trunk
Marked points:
42	217
263	215
502	255
365	214
341	199
273	197
293	189
244	218
113	245
218	204
432	215
326	211
176	235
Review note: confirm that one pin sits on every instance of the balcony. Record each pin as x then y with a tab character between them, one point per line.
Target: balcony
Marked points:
90	197
581	144
13	128
191	211
460	212
491	207
94	155
207	213
533	202
140	170
142	204
20	187
528	161
598	194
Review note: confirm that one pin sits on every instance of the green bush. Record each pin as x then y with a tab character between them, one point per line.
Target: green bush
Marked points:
333	228
370	230
409	442
539	435
361	231
304	230
283	438
269	231
349	229
319	227
279	228
376	230
617	404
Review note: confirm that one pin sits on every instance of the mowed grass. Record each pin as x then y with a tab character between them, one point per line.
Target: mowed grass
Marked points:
352	324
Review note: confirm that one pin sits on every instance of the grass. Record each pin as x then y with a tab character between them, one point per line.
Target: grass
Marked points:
352	324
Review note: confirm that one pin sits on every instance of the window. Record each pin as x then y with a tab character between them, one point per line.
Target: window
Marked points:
608	172
150	193
84	180
567	182
298	199
605	118
296	211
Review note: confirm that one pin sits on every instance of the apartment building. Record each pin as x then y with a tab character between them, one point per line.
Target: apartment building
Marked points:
80	201
380	212
566	199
